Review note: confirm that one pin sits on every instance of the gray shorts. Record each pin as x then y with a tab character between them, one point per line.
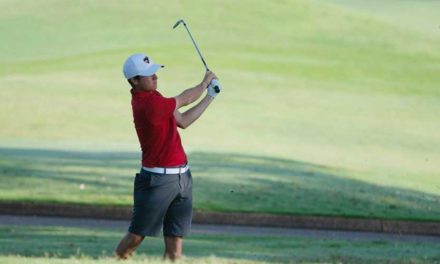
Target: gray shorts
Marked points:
162	200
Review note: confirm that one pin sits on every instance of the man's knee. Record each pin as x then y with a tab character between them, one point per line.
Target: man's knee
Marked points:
127	245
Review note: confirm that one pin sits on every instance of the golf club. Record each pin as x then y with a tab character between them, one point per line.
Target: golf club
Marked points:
214	82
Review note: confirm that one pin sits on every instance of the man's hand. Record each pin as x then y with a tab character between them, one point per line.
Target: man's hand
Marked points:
211	91
209	76
211	80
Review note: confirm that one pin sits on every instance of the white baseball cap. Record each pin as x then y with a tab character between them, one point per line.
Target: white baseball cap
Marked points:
140	64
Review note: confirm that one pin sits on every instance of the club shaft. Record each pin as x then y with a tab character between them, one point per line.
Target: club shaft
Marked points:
195	45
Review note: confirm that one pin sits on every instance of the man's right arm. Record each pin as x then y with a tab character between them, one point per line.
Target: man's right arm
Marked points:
192	94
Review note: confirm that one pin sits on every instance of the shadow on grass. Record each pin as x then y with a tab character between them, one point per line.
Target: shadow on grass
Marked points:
65	242
222	181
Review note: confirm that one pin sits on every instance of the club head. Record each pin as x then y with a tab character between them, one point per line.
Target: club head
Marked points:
178	23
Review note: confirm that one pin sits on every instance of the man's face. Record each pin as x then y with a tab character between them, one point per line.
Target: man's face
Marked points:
147	83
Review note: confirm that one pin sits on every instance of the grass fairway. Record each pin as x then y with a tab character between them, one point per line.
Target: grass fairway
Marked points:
238	182
73	245
326	109
413	15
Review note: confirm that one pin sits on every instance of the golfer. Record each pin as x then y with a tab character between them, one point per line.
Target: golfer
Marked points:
163	188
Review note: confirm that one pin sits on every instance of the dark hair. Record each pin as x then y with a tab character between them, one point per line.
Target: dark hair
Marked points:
137	77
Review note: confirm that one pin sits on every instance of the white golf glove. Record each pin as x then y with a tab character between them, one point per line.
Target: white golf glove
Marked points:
214	88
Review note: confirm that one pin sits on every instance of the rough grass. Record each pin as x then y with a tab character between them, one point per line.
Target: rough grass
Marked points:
101	260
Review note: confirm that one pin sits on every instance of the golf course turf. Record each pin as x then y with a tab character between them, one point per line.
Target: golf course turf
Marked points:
326	109
239	183
72	245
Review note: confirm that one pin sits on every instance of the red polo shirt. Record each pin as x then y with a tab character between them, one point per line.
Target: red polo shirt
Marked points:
157	129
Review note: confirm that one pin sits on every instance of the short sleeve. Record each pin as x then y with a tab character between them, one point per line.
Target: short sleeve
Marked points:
160	108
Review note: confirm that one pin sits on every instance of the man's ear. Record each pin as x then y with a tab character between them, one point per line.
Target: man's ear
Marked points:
134	81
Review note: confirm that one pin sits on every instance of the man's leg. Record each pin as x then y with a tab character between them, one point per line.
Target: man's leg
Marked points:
173	248
127	245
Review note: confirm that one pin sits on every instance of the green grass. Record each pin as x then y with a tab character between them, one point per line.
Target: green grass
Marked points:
305	82
413	15
52	244
106	260
222	182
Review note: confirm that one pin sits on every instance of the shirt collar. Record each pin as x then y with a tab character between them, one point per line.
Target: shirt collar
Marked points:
142	92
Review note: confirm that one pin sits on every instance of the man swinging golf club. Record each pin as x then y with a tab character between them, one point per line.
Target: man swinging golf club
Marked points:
163	188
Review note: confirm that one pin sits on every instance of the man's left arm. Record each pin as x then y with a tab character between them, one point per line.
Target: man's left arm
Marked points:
185	119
